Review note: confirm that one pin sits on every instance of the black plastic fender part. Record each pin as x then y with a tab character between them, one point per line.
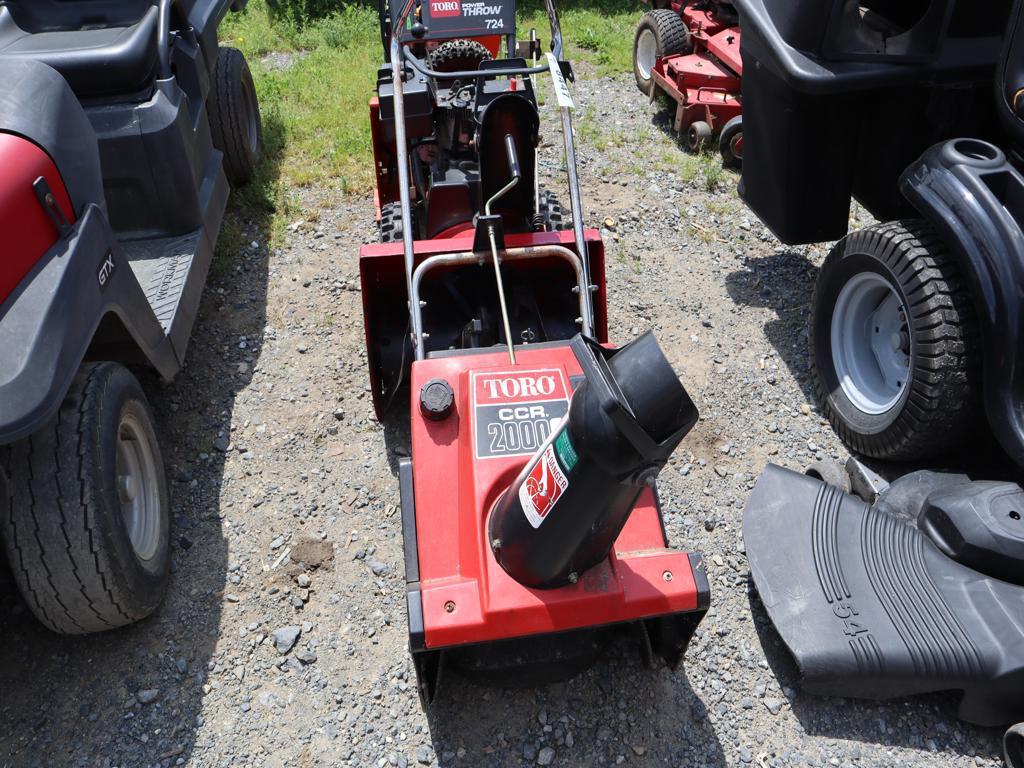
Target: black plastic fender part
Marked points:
37	104
974	197
47	324
870	608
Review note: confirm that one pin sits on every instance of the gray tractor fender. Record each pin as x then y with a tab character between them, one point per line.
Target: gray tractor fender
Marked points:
65	305
973	196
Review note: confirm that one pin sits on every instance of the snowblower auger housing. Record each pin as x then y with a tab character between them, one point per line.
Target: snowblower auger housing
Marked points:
476	306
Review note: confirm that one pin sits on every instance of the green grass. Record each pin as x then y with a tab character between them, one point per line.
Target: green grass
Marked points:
315	107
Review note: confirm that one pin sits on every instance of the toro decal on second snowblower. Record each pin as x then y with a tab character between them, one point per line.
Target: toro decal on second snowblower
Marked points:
531	523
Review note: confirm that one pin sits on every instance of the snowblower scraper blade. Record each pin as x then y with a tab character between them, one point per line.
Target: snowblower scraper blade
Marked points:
869	606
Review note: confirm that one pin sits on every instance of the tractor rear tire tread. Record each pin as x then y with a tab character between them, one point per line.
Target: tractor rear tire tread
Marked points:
670	34
943	407
230	116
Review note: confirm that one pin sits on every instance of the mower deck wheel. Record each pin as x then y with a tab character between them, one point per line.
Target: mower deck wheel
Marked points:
894	351
697	135
234	116
86	522
730	143
660	33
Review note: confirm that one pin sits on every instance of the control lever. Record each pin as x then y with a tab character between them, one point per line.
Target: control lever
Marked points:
516	174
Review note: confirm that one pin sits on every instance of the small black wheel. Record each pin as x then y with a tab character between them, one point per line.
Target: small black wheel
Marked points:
391	223
458	56
893	341
831	472
234	114
697	135
660	33
87	523
1013	746
554	216
730	143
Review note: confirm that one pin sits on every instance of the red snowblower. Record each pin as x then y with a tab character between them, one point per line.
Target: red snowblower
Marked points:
691	52
531	522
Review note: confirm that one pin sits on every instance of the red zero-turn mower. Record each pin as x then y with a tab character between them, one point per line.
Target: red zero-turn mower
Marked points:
916	343
531	523
121	125
690	50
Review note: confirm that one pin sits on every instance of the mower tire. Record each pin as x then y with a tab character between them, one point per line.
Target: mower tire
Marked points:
235	116
697	136
553	215
660	33
458	56
86	520
894	344
390	223
730	143
1013	746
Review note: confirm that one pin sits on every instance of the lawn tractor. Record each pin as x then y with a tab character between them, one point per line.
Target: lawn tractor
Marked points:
530	518
916	342
690	51
121	126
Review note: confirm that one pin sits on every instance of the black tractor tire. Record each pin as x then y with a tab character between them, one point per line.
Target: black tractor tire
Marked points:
234	114
458	56
730	143
554	216
1013	746
391	223
934	405
670	38
65	527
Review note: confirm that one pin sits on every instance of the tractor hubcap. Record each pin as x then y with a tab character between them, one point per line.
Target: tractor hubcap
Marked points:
646	53
871	343
138	486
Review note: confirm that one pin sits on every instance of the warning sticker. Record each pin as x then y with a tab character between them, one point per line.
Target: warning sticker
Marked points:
514	412
544	485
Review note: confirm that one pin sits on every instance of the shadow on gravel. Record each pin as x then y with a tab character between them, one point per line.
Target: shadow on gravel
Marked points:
926	722
782	282
620	709
133	696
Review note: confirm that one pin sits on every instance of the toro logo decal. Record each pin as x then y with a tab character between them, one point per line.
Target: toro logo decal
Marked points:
515	411
543	487
442	8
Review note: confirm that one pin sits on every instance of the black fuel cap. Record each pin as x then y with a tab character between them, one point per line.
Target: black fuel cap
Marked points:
436	399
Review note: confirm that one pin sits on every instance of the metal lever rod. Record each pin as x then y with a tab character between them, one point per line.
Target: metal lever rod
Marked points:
402	151
577	214
513	169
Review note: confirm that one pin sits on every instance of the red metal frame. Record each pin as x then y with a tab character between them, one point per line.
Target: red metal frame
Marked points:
382	278
705	84
28	232
466	596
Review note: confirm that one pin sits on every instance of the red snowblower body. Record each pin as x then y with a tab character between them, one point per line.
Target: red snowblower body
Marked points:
531	523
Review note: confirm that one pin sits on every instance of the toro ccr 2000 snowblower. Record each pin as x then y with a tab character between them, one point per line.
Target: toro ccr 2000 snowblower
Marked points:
531	524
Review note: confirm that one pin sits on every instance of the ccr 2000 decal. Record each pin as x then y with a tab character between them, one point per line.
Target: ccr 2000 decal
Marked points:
515	411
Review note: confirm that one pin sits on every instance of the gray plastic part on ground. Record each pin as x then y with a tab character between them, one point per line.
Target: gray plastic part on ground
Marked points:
869	607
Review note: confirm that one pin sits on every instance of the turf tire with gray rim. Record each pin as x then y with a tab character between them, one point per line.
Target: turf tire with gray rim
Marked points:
86	522
661	32
235	116
918	396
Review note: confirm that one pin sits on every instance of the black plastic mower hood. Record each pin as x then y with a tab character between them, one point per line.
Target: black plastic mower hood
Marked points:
870	608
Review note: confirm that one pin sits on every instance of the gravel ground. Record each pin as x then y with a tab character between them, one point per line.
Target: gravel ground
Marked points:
283	640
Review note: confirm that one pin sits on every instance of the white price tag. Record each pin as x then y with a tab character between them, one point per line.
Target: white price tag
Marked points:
562	95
